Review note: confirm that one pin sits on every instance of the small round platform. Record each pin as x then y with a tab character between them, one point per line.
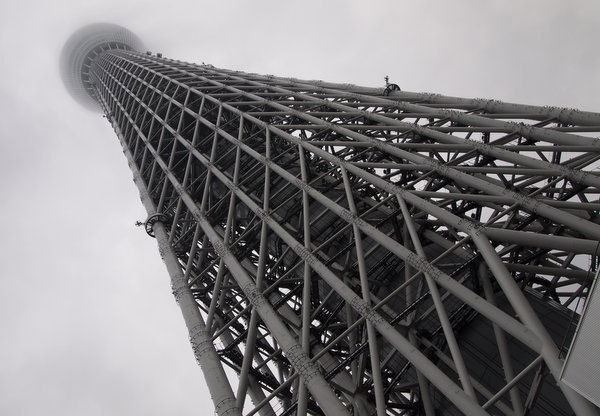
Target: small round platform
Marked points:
81	49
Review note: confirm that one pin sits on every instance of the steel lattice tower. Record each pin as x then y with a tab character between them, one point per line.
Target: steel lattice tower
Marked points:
352	250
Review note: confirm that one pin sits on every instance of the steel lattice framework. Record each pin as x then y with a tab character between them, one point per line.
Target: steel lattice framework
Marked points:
366	251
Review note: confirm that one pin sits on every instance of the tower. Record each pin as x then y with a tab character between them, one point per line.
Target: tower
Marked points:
353	250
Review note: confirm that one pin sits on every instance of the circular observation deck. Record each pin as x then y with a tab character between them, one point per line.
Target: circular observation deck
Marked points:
80	50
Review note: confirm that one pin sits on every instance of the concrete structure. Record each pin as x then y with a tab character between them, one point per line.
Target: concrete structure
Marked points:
351	250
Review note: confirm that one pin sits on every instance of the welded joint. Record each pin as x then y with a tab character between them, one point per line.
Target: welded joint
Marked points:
179	290
221	249
365	309
200	339
227	407
254	295
302	363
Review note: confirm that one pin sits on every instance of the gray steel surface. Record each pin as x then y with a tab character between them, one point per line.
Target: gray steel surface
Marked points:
353	250
581	370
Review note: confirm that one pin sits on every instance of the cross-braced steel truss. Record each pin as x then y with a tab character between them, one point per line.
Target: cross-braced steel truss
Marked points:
366	251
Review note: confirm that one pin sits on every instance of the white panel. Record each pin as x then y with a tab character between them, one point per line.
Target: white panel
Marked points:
582	366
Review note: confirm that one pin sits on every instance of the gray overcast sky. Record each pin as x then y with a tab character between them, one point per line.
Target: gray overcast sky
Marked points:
88	323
